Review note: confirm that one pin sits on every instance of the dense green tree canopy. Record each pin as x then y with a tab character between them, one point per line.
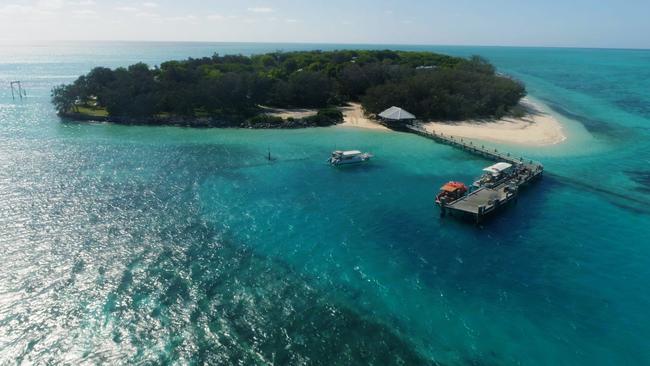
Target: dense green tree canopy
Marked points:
429	85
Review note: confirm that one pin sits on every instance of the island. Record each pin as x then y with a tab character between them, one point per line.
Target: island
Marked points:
254	91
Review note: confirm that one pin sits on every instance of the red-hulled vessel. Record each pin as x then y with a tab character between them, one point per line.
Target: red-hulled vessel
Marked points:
450	192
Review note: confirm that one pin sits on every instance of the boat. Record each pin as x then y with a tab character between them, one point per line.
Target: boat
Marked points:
495	175
451	192
348	157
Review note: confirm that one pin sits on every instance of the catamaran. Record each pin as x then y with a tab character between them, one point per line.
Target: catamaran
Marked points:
348	157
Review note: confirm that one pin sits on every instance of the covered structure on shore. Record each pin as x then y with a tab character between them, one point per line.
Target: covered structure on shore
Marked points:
396	114
396	118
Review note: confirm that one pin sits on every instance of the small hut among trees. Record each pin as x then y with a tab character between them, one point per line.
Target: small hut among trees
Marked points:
396	117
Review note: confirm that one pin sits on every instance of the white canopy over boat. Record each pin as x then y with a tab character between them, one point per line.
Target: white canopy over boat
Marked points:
396	114
351	152
346	153
498	168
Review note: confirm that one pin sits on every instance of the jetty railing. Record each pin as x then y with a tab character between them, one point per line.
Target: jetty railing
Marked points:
469	146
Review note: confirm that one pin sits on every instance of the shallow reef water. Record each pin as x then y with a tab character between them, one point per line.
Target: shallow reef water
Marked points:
165	245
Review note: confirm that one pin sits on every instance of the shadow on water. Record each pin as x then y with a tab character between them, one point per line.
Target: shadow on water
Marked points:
635	202
357	168
634	104
151	282
592	125
233	306
642	178
261	163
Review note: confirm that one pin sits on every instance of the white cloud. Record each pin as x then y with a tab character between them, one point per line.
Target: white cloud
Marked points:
44	7
144	14
84	13
182	18
215	17
150	4
126	9
39	11
15	9
260	10
291	20
50	4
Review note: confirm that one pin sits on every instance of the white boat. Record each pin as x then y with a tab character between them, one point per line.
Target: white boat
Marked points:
348	157
494	175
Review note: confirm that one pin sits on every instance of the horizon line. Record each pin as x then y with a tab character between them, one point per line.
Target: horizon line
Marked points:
7	41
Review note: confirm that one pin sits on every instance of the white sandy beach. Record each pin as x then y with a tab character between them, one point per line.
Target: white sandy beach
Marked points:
537	128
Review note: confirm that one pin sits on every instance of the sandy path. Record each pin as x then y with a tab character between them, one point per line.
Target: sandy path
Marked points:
353	117
296	113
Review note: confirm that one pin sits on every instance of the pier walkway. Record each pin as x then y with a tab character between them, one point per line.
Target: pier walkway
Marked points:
487	199
469	146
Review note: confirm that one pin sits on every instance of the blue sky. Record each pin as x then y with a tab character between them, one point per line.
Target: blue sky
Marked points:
581	23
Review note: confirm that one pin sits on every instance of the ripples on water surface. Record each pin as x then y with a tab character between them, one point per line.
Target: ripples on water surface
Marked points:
135	244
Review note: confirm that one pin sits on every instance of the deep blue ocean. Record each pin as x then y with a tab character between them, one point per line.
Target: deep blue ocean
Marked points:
159	245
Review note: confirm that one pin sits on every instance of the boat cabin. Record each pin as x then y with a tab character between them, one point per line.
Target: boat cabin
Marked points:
451	192
340	157
499	168
346	154
495	174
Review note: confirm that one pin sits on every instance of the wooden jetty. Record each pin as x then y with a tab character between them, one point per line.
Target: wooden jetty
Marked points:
487	199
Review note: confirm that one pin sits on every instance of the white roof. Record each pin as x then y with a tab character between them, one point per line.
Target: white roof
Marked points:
497	168
352	152
396	114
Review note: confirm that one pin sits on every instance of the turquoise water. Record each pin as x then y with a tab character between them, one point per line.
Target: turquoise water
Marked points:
171	245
